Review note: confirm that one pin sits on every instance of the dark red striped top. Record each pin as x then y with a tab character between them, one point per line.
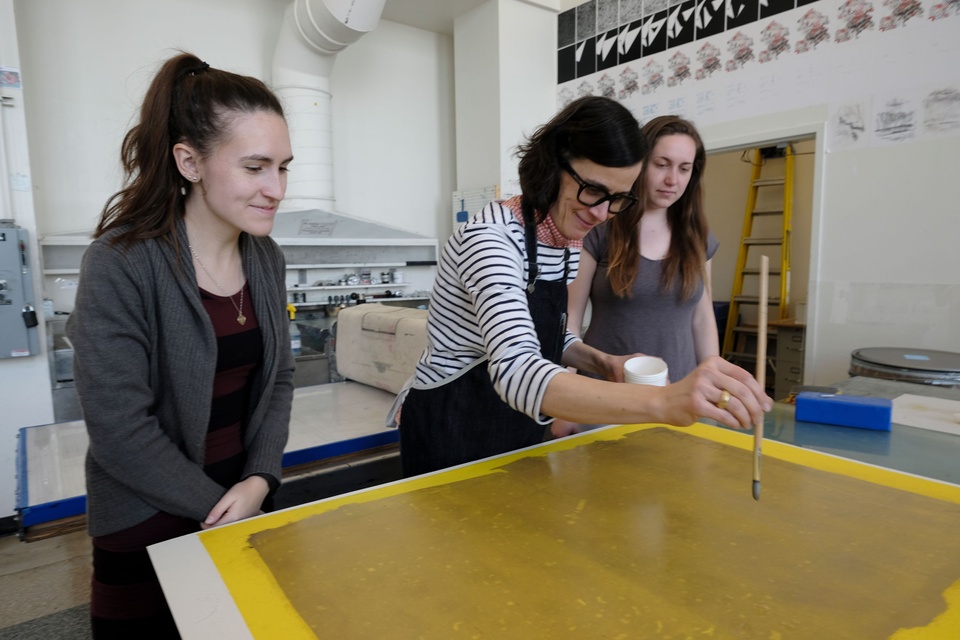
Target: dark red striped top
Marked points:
239	355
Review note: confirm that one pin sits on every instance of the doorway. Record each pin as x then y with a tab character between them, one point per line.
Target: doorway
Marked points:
727	183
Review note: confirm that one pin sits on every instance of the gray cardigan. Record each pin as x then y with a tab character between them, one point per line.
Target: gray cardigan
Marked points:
144	363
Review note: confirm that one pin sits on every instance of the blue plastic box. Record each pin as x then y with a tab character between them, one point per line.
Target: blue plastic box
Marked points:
845	411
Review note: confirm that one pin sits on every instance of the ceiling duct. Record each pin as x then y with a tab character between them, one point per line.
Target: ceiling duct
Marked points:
313	32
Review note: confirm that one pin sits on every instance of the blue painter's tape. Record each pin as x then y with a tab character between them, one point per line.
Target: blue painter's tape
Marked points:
50	511
23	487
339	448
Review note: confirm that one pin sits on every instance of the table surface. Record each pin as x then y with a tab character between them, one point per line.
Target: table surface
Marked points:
50	458
626	531
927	453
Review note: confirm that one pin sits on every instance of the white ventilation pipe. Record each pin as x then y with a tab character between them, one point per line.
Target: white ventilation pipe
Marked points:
313	32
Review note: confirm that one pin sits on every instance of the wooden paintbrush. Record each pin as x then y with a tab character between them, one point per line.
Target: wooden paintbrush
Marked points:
761	371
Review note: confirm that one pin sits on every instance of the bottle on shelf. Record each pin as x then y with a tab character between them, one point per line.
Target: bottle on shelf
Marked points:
296	344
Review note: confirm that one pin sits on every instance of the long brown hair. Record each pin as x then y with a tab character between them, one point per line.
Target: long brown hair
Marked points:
187	101
688	224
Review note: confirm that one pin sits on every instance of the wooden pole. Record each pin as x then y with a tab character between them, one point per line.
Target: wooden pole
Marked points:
761	370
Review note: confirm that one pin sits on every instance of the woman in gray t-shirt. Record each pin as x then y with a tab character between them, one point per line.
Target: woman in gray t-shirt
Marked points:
647	273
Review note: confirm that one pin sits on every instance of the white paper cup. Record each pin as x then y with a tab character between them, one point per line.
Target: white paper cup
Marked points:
645	370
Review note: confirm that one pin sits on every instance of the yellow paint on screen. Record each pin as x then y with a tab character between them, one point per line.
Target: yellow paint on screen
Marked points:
633	530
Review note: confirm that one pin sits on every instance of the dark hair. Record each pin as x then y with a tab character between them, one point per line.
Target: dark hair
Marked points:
187	101
688	224
592	128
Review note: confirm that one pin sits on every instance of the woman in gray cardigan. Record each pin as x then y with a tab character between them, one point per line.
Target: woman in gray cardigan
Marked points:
182	358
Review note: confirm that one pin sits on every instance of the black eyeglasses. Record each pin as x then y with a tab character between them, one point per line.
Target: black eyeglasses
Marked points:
591	195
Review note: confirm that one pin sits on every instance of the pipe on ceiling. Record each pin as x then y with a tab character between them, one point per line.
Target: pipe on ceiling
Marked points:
313	32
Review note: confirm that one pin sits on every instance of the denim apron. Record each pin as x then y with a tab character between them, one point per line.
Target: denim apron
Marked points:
464	419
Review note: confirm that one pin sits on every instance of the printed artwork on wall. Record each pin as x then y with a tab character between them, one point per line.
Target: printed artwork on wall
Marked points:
718	60
849	124
941	110
813	29
895	118
601	34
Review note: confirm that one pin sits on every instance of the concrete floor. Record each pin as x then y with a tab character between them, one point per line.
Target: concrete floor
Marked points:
41	578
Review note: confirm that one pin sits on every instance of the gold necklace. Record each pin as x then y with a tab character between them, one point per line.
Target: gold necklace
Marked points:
242	319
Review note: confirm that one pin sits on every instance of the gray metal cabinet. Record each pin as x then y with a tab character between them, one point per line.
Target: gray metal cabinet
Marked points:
789	360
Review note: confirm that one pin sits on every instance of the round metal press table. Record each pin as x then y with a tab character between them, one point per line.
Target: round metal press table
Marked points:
924	366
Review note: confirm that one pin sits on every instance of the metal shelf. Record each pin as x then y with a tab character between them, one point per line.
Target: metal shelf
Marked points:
388	285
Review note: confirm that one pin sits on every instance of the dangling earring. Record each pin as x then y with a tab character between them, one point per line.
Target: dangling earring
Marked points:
183	191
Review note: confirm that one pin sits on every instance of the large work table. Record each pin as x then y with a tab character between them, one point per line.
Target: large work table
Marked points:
330	424
633	531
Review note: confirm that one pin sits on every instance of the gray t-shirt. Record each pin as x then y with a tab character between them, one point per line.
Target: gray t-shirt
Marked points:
651	321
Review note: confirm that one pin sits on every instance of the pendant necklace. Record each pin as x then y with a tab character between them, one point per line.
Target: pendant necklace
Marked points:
242	319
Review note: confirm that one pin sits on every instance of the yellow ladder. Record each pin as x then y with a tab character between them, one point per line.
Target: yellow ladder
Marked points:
770	197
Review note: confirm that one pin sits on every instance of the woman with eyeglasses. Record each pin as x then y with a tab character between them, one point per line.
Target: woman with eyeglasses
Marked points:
647	273
494	375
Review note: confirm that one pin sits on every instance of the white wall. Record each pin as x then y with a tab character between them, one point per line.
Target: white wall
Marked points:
86	64
889	273
392	102
394	146
477	55
883	212
527	70
24	382
505	79
882	265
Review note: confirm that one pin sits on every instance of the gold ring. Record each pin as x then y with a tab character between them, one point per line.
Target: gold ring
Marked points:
724	400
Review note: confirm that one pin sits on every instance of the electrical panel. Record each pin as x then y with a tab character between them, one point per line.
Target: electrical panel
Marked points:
467	202
18	316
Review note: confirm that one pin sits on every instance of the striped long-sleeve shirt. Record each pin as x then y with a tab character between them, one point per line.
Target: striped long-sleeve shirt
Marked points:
478	308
